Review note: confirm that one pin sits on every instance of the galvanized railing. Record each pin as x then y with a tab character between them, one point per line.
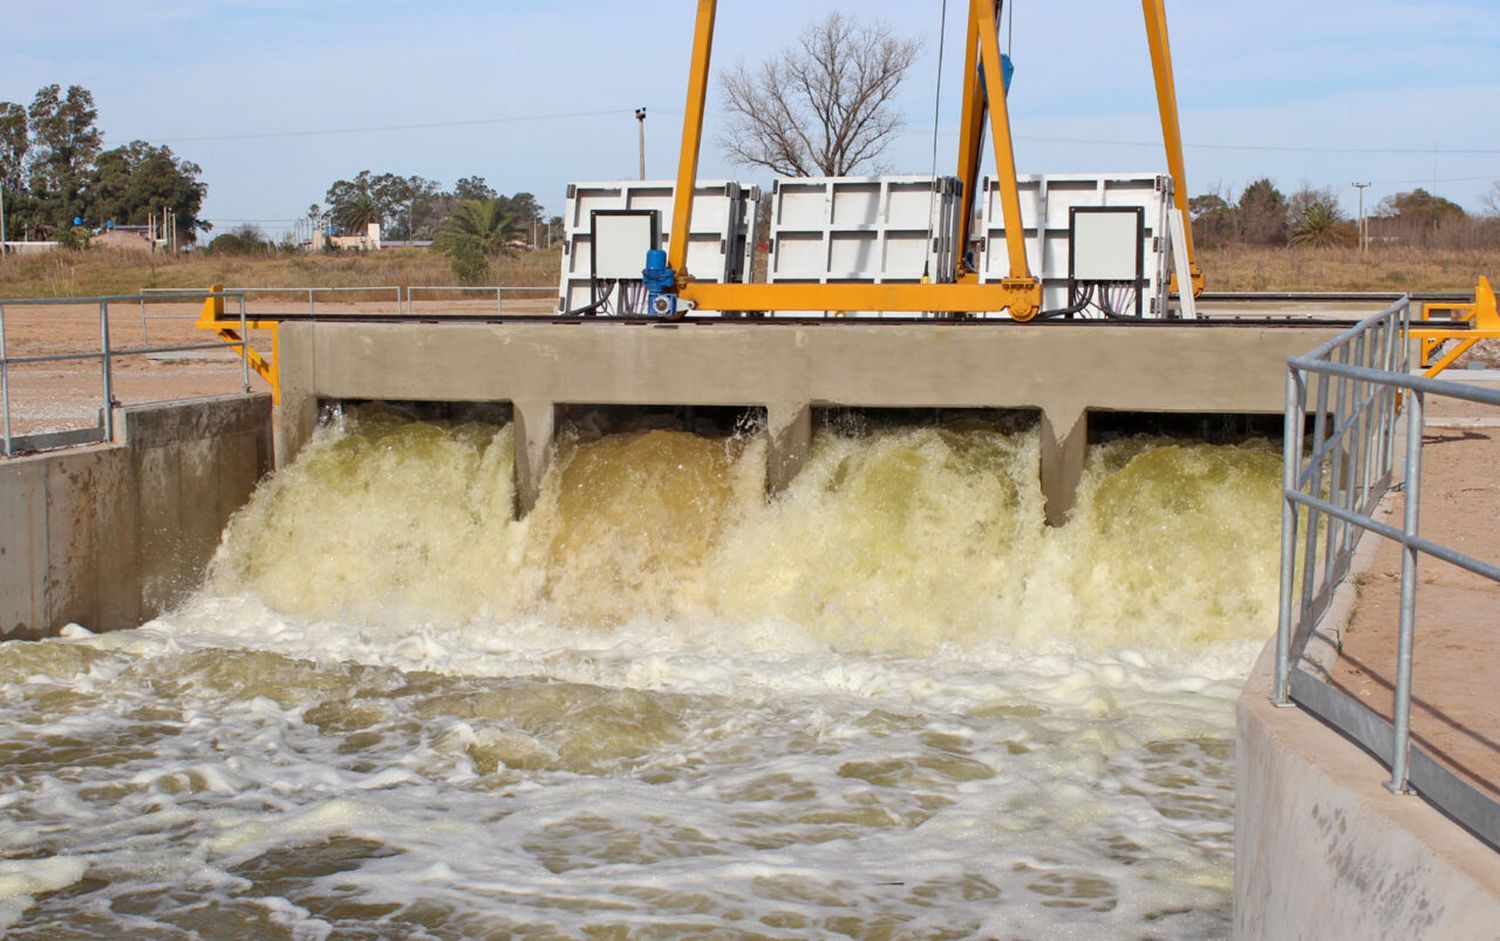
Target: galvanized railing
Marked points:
500	293
1355	388
107	354
329	295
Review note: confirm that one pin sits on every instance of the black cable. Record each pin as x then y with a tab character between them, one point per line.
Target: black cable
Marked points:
1077	304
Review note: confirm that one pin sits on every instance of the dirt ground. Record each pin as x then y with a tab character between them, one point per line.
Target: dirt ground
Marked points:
60	396
1456	661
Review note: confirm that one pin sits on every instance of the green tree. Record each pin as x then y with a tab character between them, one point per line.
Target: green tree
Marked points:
130	184
64	144
1262	214
1420	209
474	187
247	239
478	230
1215	221
353	205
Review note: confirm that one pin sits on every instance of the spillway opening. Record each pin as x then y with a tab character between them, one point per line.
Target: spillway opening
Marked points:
583	422
331	411
857	421
1214	428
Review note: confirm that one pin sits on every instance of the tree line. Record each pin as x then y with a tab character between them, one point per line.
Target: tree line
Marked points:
1264	216
54	170
411	208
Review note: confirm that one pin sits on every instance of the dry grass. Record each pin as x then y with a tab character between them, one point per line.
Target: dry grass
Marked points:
68	274
78	274
1344	269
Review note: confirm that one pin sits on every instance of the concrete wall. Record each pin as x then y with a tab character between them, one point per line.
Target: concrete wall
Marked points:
1323	850
112	535
1061	370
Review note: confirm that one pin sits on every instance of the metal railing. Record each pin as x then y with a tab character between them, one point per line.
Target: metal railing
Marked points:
10	443
500	293
382	292
1358	385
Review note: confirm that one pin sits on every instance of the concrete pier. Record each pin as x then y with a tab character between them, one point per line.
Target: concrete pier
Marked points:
1062	371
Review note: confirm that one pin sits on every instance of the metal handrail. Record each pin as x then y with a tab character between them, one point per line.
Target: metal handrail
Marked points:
498	290
1363	382
107	354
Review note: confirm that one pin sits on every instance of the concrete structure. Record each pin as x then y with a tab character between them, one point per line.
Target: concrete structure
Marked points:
1323	850
127	238
112	535
1061	370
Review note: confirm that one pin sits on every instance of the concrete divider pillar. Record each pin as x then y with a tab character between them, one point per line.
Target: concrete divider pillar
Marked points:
1065	444
297	414
789	430
535	426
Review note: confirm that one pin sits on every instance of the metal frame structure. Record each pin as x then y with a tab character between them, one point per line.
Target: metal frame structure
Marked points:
1020	292
1362	379
11	444
1468	323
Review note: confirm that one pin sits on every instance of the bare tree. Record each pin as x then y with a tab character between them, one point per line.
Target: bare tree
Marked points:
824	106
1492	199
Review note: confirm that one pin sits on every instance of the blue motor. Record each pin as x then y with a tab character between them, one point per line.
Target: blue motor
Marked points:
661	285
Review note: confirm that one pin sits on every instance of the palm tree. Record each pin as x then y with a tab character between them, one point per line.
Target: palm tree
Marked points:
478	230
1321	227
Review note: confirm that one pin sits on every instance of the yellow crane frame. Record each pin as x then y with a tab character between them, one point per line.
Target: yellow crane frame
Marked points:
1020	292
1466	323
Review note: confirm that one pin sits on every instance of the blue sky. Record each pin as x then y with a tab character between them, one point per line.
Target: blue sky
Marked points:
1346	79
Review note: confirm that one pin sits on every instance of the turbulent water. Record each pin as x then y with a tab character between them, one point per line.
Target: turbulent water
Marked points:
889	703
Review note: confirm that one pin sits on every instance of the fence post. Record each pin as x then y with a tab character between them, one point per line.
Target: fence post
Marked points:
1315	467
244	345
104	356
1291	447
498	310
1401	724
5	384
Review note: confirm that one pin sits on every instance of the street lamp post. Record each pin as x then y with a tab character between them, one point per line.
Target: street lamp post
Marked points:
1364	235
640	117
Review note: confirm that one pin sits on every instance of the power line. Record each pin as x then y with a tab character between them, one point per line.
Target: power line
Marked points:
381	128
1452	179
1288	148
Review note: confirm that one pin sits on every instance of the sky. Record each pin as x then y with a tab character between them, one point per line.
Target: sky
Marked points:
276	99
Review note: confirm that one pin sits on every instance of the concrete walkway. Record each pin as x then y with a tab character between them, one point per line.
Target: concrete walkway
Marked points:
1456	663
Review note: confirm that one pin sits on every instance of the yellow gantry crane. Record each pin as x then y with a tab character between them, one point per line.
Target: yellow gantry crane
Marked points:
1020	292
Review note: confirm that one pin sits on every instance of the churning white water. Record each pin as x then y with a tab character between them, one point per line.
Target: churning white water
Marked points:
888	704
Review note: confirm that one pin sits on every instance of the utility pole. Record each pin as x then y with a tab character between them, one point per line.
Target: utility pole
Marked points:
1364	235
640	117
2	219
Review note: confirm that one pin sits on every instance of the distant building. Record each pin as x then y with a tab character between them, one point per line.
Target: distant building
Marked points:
369	242
129	238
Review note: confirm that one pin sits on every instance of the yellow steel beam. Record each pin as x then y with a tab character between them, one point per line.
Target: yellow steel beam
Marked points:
982	15
1171	128
213	318
970	138
692	138
948	298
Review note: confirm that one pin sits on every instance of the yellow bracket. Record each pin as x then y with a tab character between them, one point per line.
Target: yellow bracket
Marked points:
213	318
1471	322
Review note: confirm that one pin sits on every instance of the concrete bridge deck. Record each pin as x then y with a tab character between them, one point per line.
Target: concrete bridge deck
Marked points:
1062	371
